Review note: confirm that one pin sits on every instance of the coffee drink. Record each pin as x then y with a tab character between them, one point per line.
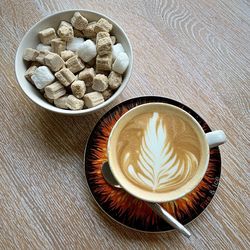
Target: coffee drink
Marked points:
158	151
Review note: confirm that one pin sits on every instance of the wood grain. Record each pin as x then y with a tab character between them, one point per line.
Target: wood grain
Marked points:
196	52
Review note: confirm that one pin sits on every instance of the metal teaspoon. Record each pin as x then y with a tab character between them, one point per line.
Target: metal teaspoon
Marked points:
156	207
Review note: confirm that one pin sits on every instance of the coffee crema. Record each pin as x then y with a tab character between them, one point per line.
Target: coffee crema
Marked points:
158	151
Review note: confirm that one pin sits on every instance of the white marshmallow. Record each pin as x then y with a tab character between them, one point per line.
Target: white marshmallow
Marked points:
121	63
42	77
116	50
87	51
75	43
43	48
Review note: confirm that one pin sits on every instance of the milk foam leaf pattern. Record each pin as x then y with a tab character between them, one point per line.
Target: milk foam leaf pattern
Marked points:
157	157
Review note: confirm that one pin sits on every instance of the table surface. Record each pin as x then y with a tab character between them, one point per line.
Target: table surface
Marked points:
196	52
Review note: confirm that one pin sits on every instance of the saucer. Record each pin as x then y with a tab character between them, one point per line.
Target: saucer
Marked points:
124	208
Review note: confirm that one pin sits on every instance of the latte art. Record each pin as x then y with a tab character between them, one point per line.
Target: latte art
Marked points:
158	152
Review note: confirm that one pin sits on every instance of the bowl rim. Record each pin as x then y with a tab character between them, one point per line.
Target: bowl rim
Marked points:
83	111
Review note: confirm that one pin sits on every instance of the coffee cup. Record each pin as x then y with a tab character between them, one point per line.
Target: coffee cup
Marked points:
158	152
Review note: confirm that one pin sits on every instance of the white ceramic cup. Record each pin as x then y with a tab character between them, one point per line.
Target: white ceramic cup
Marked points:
207	141
30	40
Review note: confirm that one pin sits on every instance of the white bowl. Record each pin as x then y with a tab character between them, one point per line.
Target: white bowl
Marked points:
30	40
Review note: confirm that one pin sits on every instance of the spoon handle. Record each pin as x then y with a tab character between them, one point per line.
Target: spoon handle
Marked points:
157	208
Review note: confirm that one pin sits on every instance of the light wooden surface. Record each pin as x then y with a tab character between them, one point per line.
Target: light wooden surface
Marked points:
197	52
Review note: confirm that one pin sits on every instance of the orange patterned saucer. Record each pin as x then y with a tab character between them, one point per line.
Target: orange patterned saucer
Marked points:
123	207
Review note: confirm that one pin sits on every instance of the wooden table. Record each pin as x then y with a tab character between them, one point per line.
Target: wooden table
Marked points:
196	52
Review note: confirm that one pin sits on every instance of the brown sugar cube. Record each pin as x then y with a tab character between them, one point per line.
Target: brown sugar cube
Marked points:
113	39
101	35
104	46
47	35
65	76
100	83
66	54
74	64
78	33
78	88
107	94
115	80
78	21
87	75
61	102
104	63
103	25
41	56
55	90
58	45
93	99
74	104
51	101
30	54
89	31
53	61
65	31
29	72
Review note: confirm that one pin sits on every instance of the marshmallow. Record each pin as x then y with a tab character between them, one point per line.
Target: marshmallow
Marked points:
116	50
121	63
42	77
43	48
87	51
75	44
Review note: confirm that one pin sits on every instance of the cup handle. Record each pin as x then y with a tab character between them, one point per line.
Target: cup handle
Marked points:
215	138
